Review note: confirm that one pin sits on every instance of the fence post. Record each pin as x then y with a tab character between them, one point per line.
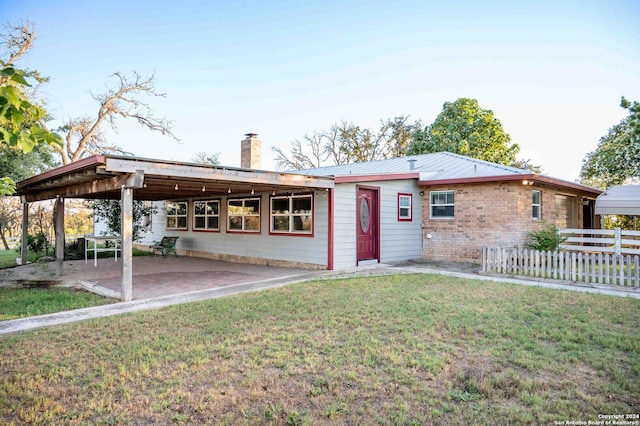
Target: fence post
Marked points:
580	276
618	237
484	259
587	259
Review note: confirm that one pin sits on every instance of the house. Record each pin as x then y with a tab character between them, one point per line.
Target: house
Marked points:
431	206
445	206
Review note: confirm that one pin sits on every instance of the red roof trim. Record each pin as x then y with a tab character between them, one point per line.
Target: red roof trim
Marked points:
76	166
511	178
376	177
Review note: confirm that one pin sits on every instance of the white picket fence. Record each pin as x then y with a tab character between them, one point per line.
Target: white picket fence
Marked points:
614	241
578	267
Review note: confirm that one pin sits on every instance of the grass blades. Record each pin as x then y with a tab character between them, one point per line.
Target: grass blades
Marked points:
27	302
392	350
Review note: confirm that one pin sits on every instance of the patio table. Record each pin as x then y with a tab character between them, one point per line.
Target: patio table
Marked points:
102	239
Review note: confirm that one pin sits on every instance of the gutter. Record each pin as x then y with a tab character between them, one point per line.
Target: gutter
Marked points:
512	178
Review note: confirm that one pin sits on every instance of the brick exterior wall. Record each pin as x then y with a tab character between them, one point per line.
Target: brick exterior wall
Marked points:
495	214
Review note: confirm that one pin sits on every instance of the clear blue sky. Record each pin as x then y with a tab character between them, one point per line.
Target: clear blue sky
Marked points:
552	71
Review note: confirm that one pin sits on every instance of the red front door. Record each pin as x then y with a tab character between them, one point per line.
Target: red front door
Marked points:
367	224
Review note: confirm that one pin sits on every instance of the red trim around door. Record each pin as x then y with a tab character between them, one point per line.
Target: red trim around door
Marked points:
375	226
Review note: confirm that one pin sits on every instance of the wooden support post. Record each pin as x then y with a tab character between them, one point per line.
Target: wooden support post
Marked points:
59	234
25	233
126	235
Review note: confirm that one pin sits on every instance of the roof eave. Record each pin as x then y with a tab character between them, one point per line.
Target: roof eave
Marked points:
85	163
510	178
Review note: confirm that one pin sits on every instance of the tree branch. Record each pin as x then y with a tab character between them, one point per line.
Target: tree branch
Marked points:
18	40
84	136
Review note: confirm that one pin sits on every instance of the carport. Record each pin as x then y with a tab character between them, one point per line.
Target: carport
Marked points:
130	178
620	200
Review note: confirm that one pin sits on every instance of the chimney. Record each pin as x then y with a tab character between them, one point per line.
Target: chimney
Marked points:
250	154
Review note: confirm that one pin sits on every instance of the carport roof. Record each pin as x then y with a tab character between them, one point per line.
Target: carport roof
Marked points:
103	176
621	199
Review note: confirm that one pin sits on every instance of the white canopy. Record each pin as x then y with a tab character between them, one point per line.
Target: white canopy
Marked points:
621	199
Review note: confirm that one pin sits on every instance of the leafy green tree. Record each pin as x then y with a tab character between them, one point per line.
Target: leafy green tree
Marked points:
463	127
21	120
616	160
19	165
109	211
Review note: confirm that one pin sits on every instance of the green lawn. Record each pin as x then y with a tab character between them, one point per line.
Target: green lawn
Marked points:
26	302
8	258
392	350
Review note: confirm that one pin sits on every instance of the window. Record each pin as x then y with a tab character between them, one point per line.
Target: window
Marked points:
206	215
292	214
176	214
404	207
442	204
536	211
244	215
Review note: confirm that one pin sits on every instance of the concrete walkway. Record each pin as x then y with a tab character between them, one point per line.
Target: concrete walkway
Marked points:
25	324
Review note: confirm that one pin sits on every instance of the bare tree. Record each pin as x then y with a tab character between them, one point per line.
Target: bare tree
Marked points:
346	143
204	158
307	153
17	40
84	137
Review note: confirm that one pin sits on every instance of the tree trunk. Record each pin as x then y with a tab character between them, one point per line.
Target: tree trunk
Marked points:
4	240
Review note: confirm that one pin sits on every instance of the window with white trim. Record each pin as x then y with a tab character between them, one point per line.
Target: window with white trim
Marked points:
405	207
536	204
292	214
442	205
206	215
176	214
243	215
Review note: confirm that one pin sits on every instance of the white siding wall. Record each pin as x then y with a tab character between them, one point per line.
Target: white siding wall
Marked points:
303	249
398	240
344	226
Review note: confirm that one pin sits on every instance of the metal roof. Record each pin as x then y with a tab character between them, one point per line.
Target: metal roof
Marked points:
439	168
434	166
621	199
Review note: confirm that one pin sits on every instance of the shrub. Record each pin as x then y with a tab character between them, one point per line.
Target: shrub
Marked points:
546	238
37	243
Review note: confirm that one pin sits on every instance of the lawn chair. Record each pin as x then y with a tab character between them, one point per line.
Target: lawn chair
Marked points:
165	246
